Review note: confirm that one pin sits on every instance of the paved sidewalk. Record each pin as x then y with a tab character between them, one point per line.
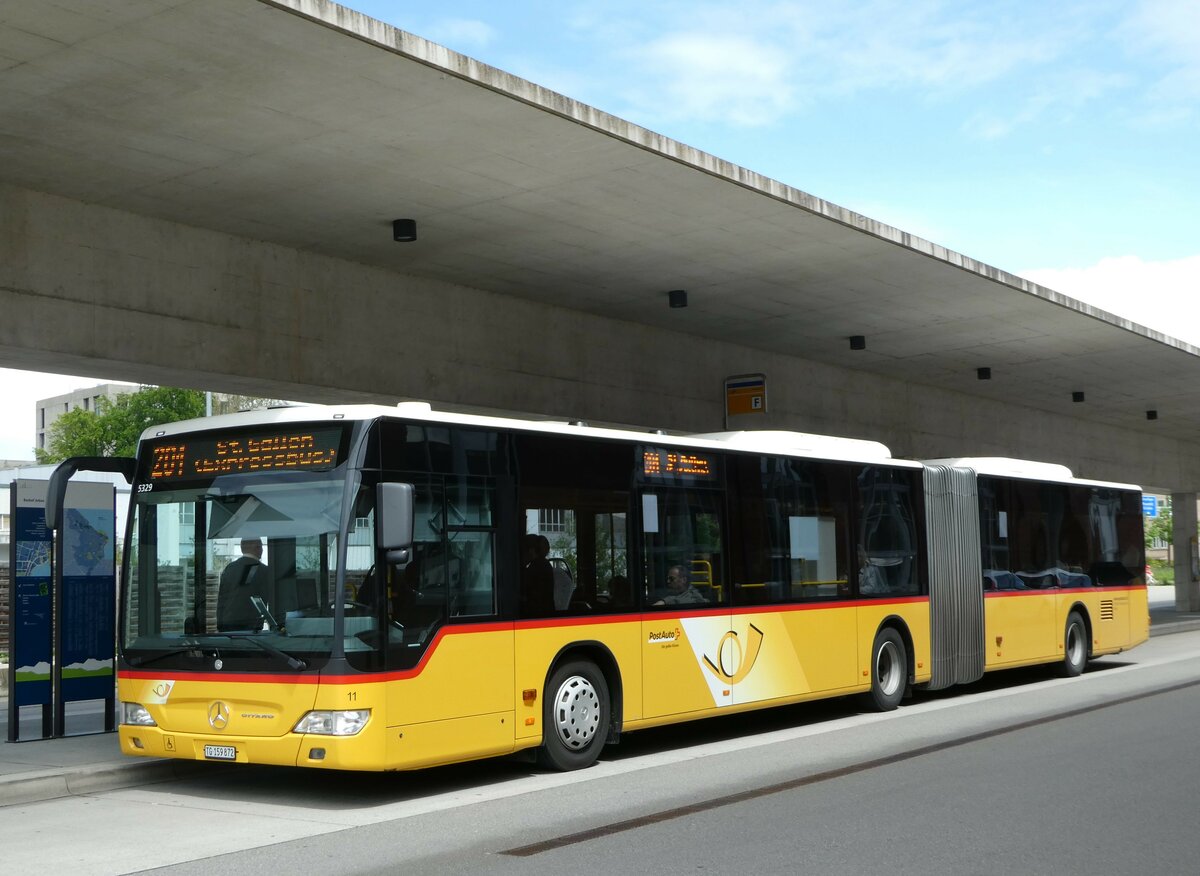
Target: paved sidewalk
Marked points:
45	769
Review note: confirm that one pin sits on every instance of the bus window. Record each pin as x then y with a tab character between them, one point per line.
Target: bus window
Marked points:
887	532
574	549
682	547
794	517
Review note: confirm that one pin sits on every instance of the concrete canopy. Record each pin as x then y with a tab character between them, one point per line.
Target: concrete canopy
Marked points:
304	124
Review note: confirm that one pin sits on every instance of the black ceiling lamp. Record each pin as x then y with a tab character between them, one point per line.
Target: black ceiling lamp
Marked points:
983	373
677	298
1151	415
1077	396
404	230
858	342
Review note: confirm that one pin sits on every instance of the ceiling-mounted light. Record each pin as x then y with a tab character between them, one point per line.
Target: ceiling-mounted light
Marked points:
983	373
1077	396
404	230
1151	415
677	298
858	342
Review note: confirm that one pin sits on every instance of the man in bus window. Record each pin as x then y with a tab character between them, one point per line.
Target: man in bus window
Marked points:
680	590
245	577
537	577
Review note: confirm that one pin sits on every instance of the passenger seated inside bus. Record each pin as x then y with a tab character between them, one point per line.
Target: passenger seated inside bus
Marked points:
618	595
680	590
537	577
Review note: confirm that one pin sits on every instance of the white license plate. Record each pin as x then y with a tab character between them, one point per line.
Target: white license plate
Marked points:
220	752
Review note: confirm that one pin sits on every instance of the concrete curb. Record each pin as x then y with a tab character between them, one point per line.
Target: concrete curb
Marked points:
37	786
1179	626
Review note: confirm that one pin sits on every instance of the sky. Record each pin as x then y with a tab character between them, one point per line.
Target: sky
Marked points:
1057	141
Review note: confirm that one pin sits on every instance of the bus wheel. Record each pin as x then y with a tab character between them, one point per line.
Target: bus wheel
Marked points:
1075	646
575	717
889	670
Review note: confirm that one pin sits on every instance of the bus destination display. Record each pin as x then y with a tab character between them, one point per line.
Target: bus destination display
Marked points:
657	463
204	456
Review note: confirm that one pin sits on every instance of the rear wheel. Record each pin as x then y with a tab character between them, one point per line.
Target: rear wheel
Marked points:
889	670
575	717
1075	646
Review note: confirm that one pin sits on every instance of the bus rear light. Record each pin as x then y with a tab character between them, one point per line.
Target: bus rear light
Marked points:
135	714
339	723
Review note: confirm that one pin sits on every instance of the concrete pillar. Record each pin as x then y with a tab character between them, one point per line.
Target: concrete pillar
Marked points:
1187	559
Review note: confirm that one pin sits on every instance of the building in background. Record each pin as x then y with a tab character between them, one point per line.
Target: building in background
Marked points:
50	409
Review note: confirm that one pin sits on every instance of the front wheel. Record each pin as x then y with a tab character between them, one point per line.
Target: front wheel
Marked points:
1075	646
575	717
889	670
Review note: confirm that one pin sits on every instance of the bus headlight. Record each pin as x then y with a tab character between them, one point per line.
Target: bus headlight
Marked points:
340	723
137	715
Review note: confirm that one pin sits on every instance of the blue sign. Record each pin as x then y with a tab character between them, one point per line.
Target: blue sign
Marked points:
87	626
1150	506
32	597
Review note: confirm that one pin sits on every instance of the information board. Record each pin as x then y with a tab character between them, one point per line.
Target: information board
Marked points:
62	613
32	597
87	626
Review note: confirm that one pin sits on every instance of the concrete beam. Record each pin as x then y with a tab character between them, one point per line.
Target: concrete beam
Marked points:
91	289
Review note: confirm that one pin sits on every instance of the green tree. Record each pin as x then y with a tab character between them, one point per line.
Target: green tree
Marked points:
114	427
75	433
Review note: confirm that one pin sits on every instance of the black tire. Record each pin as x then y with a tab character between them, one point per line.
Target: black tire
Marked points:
575	717
1075	646
889	670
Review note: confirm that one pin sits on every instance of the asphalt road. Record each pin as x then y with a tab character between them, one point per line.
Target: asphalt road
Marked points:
1022	773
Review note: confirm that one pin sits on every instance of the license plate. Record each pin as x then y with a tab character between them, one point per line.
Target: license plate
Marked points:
220	752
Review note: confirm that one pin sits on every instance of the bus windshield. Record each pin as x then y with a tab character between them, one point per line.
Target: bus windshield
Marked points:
241	572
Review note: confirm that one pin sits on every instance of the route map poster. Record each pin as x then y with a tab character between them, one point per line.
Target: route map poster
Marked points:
32	599
87	627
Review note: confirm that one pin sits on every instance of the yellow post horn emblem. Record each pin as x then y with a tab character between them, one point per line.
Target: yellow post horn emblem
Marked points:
745	661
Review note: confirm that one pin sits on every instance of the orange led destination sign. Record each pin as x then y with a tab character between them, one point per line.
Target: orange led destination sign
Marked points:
660	463
202	456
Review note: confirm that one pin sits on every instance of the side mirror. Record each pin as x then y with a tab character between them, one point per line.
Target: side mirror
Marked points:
394	521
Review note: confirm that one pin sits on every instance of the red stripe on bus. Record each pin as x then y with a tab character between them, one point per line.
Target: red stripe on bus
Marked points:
465	629
1032	591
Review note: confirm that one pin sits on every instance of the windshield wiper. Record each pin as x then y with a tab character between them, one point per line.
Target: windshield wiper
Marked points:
170	652
292	662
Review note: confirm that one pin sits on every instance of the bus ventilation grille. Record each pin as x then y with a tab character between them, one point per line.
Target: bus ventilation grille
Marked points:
1106	609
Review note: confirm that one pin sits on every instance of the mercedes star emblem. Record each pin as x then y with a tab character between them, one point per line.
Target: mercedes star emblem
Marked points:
218	715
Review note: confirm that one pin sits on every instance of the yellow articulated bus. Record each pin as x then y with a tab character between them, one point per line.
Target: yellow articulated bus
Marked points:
378	588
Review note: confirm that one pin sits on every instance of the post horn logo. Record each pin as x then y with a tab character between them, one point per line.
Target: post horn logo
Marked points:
732	664
218	715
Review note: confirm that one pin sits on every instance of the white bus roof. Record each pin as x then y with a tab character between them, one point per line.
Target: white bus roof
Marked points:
781	443
1002	466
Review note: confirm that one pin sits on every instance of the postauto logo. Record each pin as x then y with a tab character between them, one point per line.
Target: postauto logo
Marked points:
665	635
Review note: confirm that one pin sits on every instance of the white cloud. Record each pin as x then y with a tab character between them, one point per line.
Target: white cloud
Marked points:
751	63
1166	34
1060	95
460	33
706	76
1159	295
